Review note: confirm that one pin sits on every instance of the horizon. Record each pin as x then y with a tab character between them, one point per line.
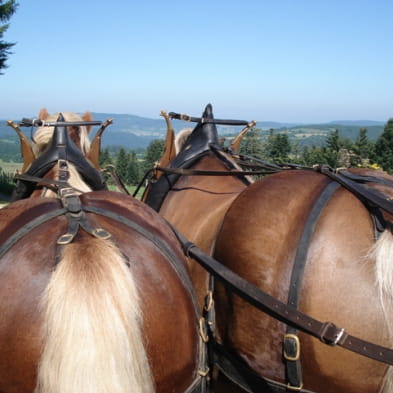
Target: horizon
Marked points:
355	122
291	62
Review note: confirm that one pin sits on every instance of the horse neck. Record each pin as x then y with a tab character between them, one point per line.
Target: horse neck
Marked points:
199	203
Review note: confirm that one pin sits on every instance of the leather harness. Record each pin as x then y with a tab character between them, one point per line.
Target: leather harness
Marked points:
61	150
327	332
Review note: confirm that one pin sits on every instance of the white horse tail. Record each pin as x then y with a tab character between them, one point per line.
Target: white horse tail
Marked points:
92	335
383	253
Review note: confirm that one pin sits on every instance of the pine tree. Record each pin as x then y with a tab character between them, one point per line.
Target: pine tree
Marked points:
105	158
278	148
154	152
122	164
251	144
6	11
133	169
363	148
384	148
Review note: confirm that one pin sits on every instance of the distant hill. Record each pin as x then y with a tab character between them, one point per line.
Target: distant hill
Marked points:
135	132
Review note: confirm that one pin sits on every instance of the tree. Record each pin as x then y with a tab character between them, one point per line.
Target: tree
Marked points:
384	148
333	141
105	158
154	152
6	11
363	148
278	148
122	165
132	169
251	144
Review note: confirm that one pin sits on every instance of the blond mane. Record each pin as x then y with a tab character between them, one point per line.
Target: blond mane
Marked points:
181	138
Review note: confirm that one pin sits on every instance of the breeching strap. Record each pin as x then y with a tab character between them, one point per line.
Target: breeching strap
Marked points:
327	332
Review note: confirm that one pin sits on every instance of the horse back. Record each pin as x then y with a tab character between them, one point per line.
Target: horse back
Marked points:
260	238
153	256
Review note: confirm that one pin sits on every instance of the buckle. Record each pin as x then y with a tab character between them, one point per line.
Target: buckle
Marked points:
291	347
295	388
331	337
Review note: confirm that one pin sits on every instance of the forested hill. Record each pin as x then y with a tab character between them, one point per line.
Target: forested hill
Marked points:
136	132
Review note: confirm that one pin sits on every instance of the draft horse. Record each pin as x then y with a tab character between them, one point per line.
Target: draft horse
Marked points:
94	289
317	243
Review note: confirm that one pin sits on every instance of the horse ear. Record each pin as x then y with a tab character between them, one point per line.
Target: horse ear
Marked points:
87	116
25	147
43	115
235	145
169	146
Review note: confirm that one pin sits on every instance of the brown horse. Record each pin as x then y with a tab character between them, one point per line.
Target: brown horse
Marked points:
259	231
94	294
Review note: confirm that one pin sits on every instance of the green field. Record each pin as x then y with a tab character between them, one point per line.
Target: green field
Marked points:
10	167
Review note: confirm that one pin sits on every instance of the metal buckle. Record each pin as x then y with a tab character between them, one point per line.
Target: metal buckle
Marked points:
65	239
295	388
295	338
101	233
209	301
337	336
203	330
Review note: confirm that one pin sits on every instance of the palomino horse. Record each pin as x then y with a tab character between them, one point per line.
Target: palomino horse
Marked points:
305	240
94	294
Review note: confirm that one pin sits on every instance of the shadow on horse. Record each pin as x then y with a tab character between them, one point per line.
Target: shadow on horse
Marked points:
316	243
95	295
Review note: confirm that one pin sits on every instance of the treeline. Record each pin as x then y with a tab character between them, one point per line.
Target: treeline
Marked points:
335	151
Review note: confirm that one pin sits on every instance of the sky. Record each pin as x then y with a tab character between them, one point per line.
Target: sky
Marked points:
278	60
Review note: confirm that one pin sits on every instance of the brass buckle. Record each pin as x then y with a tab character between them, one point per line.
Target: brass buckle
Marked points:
202	330
295	388
297	344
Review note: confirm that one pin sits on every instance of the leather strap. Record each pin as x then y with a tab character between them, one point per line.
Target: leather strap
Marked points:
291	348
367	194
198	172
327	332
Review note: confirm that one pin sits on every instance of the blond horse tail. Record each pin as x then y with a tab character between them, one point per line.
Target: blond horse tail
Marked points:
92	334
383	253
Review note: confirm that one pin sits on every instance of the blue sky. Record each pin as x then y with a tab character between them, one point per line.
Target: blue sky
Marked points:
290	61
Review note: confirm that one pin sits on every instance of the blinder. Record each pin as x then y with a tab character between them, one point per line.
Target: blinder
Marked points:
63	150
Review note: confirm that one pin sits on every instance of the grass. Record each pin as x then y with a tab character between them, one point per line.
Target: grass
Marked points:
10	167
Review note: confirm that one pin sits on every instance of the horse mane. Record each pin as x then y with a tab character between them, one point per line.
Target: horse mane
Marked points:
181	139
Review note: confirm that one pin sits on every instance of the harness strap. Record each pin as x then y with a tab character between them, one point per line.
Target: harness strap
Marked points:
19	234
291	347
198	172
71	206
368	195
327	332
